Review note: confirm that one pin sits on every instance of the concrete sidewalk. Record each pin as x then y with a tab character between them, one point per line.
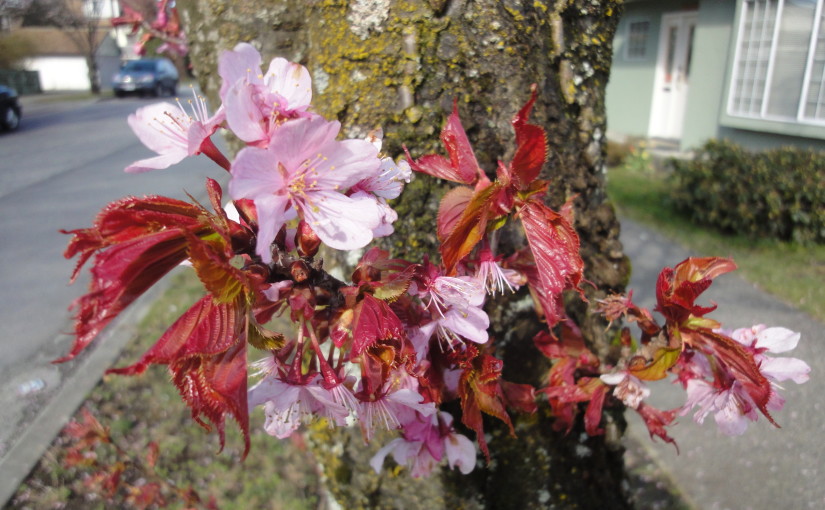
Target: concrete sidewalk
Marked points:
766	467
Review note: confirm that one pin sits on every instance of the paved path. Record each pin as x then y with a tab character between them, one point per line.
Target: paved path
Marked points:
765	468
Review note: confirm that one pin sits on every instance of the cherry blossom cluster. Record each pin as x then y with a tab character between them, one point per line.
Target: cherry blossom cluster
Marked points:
396	340
165	26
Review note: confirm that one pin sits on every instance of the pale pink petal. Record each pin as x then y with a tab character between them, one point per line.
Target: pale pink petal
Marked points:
347	162
421	463
420	339
243	114
196	136
304	141
777	339
342	222
273	212
614	378
775	402
460	452
377	460
325	405
390	180
281	422
411	400
265	390
291	81
699	394
273	293
255	175
782	369
157	163
729	416
162	127
470	323
243	62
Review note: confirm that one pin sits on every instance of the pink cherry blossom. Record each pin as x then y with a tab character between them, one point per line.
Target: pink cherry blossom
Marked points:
760	339
628	388
256	103
304	172
390	180
726	397
286	404
456	308
423	445
173	134
390	410
731	407
493	277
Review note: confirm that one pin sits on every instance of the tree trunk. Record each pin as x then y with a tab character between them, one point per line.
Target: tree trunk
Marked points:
400	64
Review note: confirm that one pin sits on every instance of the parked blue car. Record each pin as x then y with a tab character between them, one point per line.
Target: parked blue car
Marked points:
156	76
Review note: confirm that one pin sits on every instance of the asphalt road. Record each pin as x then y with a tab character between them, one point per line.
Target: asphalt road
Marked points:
56	172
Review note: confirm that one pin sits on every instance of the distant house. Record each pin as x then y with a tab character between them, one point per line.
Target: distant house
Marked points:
58	52
61	61
752	71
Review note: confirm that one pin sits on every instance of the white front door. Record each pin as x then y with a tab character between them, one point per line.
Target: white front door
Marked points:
672	75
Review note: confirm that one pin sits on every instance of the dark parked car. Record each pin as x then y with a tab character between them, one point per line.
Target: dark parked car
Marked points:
156	76
10	109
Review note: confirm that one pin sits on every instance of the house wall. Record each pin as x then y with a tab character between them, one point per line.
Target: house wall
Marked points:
630	89
713	44
60	73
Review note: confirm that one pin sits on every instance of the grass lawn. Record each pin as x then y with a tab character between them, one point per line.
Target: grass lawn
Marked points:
789	271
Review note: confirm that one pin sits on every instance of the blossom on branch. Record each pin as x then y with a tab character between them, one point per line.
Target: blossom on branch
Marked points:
304	172
174	134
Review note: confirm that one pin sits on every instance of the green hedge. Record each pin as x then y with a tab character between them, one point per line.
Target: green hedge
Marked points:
776	194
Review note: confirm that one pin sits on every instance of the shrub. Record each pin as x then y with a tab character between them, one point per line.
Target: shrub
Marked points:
777	194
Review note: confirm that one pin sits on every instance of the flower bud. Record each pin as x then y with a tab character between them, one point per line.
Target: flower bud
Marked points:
306	240
299	271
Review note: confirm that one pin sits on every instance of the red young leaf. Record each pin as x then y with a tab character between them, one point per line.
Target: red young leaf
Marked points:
211	259
555	247
480	390
381	342
593	414
452	206
121	274
677	289
137	241
462	166
205	350
531	141
521	397
374	321
470	228
656	421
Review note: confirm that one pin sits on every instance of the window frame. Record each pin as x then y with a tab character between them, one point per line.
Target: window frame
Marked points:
628	38
798	124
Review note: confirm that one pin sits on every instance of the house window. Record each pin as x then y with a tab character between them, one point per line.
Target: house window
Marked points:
779	64
637	36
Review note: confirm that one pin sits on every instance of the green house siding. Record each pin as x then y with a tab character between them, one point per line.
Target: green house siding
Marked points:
712	57
630	91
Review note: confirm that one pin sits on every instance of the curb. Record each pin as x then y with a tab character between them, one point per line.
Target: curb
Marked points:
27	450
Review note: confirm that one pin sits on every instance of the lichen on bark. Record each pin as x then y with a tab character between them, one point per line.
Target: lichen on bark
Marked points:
402	67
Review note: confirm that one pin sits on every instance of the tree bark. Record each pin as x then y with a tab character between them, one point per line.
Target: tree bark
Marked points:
400	64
